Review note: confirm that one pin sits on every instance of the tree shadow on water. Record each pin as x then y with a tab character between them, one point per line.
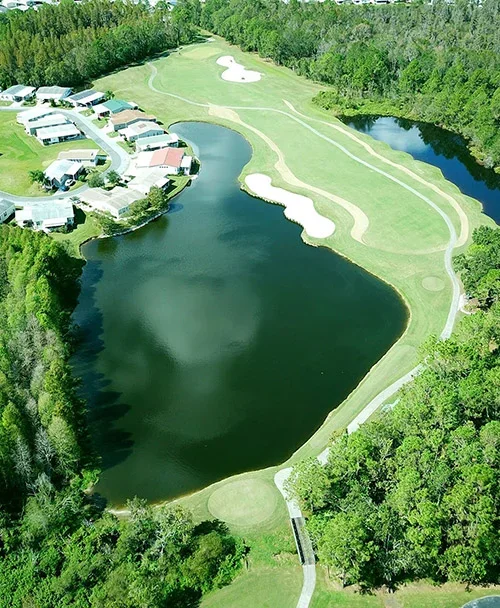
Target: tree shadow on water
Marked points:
103	406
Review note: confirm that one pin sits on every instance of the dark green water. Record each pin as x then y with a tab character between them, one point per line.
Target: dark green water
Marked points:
213	340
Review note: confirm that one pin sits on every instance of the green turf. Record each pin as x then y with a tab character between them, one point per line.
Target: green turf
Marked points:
85	229
21	153
403	245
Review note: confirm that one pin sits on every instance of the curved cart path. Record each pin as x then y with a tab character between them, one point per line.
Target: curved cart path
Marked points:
118	156
371	407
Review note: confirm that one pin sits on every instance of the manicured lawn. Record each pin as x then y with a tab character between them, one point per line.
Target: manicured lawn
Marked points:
403	245
21	153
86	228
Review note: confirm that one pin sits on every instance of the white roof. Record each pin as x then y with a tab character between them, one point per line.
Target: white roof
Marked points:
19	90
141	127
6	205
50	120
165	138
186	162
118	198
33	114
59	168
148	178
58	131
51	213
53	91
78	154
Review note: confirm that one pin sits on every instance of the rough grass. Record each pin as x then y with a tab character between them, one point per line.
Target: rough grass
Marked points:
403	246
21	153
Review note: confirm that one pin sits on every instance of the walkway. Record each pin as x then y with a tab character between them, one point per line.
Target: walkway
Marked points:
119	158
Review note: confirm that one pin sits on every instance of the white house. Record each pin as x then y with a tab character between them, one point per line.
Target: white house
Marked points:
52	93
142	129
53	135
47	215
27	116
17	93
166	140
148	178
86	98
125	118
7	208
51	120
113	106
60	172
88	158
116	201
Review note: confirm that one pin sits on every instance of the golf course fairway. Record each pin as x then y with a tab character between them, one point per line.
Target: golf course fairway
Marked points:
393	216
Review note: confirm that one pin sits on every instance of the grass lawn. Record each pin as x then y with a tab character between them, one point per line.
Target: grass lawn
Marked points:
85	228
403	245
21	153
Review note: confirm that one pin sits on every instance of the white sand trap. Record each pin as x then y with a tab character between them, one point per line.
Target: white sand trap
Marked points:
298	208
235	71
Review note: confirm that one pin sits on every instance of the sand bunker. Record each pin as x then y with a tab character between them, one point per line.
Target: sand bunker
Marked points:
298	208
235	71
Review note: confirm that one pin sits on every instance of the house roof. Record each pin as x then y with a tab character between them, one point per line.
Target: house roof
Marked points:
139	128
53	91
166	138
33	114
18	90
117	105
6	205
61	209
50	120
124	117
86	96
148	178
167	156
59	168
78	154
58	131
118	198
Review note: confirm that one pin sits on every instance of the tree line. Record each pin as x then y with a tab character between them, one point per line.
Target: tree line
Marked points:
58	546
71	43
438	63
415	494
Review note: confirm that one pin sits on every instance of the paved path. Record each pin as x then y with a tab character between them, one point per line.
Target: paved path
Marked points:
381	398
117	155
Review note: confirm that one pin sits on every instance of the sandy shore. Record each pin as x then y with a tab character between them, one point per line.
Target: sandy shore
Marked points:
298	208
235	71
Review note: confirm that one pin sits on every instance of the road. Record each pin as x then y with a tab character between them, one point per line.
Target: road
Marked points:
118	156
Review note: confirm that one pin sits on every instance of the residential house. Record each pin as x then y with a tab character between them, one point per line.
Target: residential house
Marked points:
60	172
27	116
125	118
167	140
85	99
116	201
51	120
17	93
88	158
148	178
52	93
47	215
141	129
53	135
168	159
7	209
113	106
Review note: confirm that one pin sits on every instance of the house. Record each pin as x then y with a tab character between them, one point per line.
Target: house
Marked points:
17	93
88	158
53	135
51	120
52	93
86	98
148	178
34	114
113	106
167	140
142	129
168	159
116	201
7	208
124	119
46	216
60	172
186	164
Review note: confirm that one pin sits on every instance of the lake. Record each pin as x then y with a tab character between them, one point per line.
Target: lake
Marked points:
214	341
440	148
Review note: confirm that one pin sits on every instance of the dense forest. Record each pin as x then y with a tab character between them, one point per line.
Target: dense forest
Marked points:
415	494
69	44
58	546
438	63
